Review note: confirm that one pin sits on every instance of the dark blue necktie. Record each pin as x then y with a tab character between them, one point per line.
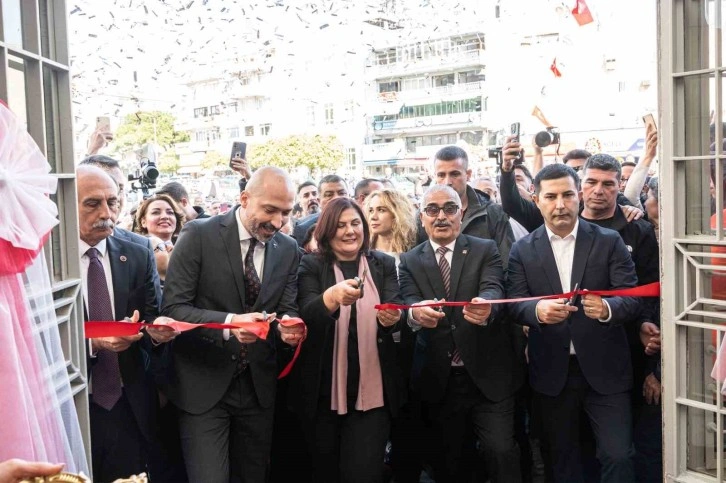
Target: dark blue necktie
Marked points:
106	372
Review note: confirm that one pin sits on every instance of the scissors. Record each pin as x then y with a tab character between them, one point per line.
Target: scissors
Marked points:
265	316
574	295
361	281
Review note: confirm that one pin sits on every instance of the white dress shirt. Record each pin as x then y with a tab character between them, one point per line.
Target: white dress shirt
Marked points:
563	249
105	261
258	258
449	255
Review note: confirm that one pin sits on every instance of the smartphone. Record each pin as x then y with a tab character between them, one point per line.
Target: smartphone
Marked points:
239	150
514	132
649	120
103	124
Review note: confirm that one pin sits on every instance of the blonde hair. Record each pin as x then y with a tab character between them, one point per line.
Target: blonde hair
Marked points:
404	222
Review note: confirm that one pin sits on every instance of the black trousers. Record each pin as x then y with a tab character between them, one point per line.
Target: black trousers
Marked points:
118	448
347	448
465	407
236	433
611	421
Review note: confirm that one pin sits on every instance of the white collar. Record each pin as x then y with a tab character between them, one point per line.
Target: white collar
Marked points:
243	233
100	246
436	246
573	233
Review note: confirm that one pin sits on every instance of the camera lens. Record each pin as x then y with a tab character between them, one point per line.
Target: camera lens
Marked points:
543	139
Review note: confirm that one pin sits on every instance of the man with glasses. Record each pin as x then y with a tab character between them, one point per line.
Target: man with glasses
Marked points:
464	368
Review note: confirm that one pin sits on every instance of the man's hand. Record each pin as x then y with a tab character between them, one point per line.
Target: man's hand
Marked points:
292	335
477	314
650	338
511	152
388	317
345	292
594	307
161	333
553	311
243	335
115	344
651	390
15	470
631	212
240	165
427	317
98	140
651	142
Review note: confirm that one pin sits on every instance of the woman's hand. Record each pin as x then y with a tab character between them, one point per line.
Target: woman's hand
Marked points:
388	317
345	292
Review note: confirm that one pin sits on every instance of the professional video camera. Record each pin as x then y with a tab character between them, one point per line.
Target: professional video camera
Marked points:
550	135
147	172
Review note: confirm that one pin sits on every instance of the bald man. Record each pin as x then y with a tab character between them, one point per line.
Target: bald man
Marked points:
231	268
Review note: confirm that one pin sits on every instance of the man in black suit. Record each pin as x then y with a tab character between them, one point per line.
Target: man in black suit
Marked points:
118	281
578	355
225	380
464	364
330	187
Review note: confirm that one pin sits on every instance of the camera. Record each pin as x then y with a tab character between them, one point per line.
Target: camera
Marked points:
147	172
551	135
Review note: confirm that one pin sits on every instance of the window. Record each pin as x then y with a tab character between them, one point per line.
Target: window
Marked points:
348	111
249	131
443	80
351	159
469	76
392	86
232	107
310	114
214	110
265	129
200	112
414	83
473	137
200	136
329	115
233	132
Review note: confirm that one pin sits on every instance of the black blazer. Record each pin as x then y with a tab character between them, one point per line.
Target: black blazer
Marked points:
314	277
135	288
204	283
487	351
601	262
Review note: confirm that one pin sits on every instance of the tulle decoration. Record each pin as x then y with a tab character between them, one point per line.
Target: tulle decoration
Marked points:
40	422
26	212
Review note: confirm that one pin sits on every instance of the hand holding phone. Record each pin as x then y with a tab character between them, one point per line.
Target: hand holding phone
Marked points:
649	120
514	132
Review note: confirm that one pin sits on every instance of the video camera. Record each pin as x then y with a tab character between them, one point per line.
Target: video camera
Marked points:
147	172
550	135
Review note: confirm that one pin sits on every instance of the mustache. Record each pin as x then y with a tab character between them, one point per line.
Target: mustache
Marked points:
268	226
103	225
441	224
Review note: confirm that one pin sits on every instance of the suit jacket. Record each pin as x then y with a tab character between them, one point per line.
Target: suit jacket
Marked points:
204	283
135	288
302	227
487	351
145	242
314	277
601	262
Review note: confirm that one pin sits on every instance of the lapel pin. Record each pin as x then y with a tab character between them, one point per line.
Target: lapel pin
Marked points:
122	258
464	251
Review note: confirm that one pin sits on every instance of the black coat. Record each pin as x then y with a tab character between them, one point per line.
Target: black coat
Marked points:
314	277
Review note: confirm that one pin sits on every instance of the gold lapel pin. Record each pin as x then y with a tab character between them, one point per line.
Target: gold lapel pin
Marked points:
122	258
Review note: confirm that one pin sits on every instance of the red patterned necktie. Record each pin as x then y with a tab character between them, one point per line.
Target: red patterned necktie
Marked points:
106	372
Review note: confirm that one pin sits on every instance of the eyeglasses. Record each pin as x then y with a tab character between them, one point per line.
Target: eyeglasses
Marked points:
448	208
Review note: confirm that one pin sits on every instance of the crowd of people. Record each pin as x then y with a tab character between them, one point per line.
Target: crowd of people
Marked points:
389	384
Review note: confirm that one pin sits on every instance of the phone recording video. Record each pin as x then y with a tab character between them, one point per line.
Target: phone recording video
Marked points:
239	150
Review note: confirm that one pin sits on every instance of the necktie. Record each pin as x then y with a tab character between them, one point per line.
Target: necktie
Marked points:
252	290
445	269
106	371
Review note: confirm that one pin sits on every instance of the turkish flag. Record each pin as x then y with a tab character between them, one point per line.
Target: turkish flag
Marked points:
582	13
554	68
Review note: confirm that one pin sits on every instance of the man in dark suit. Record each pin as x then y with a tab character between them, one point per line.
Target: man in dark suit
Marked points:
578	355
330	187
118	281
464	364
225	380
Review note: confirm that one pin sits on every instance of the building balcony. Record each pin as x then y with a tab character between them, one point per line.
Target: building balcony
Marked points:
422	125
429	64
383	151
388	103
256	89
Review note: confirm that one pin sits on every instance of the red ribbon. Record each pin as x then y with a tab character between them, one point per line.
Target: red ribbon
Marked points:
649	290
96	329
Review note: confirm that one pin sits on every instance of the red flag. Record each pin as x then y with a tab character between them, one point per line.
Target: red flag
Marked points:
582	13
554	68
